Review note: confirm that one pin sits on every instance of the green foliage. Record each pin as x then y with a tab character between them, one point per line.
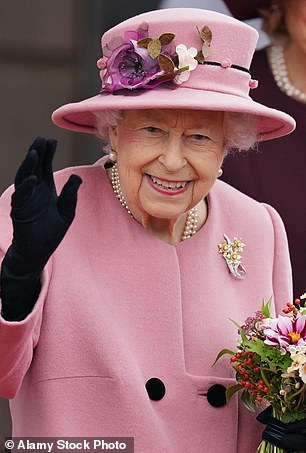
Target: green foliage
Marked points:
247	401
230	391
221	353
241	331
266	308
271	356
292	417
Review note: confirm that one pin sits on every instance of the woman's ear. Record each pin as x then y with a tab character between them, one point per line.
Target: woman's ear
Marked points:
113	137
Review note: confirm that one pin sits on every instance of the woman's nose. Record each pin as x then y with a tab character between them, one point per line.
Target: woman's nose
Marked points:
172	156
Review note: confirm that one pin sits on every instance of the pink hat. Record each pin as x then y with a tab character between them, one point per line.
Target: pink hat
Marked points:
181	58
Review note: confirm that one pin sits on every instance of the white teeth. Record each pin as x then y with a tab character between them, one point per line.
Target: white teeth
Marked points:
169	184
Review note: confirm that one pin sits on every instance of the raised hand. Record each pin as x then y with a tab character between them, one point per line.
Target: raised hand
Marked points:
40	219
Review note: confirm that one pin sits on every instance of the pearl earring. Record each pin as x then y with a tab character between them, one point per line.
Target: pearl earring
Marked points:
109	159
220	172
113	156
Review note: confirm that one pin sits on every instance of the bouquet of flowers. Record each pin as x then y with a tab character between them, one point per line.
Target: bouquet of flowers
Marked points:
270	364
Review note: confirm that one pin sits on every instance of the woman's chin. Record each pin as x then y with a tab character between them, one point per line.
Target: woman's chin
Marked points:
166	213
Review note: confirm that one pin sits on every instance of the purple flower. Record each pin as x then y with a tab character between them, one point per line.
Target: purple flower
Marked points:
285	331
129	65
253	325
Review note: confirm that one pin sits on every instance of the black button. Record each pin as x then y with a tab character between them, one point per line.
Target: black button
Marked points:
216	395
155	388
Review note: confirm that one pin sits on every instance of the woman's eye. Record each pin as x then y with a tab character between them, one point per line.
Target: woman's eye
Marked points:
153	130
199	137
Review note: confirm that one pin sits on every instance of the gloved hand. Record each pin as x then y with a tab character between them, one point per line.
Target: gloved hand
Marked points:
289	436
40	221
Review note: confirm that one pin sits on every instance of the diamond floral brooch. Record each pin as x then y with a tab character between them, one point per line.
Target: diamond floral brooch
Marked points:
230	250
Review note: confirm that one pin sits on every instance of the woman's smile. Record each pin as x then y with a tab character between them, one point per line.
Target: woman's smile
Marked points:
167	187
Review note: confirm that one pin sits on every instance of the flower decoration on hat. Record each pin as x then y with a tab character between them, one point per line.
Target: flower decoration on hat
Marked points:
187	62
253	84
206	38
140	61
230	250
226	63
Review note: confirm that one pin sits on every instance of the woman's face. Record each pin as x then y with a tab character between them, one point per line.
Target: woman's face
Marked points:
167	159
295	19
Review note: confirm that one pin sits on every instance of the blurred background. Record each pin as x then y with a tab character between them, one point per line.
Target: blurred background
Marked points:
48	54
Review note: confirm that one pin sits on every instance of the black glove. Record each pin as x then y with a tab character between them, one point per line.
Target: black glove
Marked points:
289	436
40	221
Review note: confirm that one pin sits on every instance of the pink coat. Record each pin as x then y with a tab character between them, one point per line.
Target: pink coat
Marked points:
119	307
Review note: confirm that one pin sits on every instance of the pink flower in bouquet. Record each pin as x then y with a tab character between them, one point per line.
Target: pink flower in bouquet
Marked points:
285	331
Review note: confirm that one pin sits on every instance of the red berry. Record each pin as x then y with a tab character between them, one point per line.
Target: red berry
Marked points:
249	361
233	359
266	389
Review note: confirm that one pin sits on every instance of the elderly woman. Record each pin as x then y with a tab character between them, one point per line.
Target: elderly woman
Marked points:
112	329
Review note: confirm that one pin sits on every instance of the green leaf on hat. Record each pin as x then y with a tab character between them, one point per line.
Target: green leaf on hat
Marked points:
154	48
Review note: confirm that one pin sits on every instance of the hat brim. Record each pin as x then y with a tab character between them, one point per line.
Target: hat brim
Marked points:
80	116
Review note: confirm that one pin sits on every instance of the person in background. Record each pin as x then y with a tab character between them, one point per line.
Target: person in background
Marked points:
275	172
116	293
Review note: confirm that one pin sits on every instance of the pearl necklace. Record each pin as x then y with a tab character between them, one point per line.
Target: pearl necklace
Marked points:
191	224
279	70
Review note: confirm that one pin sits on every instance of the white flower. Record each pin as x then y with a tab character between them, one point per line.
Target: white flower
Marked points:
302	372
298	356
297	349
298	362
186	60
